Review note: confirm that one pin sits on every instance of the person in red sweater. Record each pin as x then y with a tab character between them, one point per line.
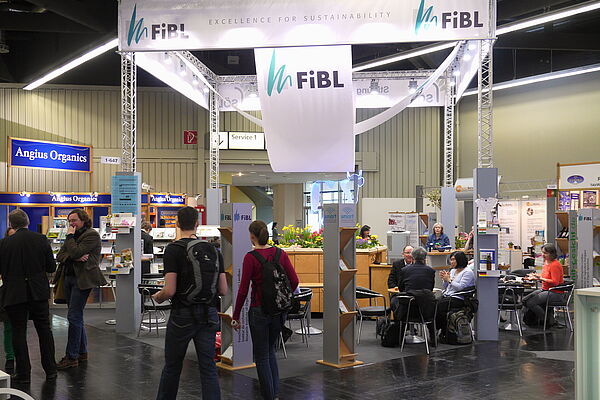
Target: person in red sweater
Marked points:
551	276
264	328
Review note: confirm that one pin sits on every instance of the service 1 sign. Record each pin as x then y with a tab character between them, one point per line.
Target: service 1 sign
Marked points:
49	155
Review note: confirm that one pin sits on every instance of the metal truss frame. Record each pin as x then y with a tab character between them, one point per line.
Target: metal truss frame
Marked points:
485	120
449	107
128	111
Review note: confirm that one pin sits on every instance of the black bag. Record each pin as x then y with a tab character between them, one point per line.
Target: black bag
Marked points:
389	331
276	290
204	258
459	327
531	319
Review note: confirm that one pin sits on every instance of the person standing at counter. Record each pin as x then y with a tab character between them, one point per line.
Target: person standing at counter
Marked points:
438	240
459	278
264	328
148	246
80	259
552	275
394	277
365	232
26	259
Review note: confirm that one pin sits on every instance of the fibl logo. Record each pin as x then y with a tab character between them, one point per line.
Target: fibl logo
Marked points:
237	216
137	30
314	80
453	19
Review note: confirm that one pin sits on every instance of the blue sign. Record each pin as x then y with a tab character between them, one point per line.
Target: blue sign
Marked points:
167	199
126	196
49	155
75	199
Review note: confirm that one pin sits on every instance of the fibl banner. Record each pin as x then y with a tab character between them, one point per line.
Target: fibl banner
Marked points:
307	107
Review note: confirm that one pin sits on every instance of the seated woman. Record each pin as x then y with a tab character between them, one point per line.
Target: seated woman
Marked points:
459	278
438	239
552	275
365	232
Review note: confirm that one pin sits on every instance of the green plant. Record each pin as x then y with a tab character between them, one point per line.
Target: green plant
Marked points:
434	198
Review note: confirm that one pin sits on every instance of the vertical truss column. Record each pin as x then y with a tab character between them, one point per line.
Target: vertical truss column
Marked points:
485	142
214	141
128	111
449	107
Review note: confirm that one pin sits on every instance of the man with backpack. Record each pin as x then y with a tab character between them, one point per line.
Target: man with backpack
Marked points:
273	282
194	278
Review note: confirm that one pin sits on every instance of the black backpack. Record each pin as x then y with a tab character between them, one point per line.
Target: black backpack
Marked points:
204	258
459	327
276	291
389	332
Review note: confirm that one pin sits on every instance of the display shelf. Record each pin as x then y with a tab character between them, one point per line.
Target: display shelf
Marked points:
346	276
346	234
226	233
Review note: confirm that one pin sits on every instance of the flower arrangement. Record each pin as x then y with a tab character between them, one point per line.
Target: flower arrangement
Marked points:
301	237
461	240
434	198
367	243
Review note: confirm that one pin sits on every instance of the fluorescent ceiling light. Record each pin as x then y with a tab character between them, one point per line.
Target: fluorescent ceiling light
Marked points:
74	63
540	78
501	30
405	56
550	17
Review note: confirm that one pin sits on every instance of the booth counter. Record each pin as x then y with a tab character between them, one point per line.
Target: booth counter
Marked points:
309	267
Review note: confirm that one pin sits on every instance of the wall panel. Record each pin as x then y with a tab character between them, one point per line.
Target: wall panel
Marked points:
91	116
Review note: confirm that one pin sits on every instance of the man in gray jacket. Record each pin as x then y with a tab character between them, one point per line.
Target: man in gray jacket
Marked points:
80	259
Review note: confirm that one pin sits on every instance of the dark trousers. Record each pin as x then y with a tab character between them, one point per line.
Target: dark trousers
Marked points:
197	323
265	330
446	304
399	307
39	312
536	302
76	300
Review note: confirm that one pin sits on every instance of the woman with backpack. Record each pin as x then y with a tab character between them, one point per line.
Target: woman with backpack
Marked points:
264	318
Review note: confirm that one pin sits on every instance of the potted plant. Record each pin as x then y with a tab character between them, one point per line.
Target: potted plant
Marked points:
511	245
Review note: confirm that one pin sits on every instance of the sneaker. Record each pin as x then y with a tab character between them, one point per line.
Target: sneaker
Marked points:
9	367
67	363
82	357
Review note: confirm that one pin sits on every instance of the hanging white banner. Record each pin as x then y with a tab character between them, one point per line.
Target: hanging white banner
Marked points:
224	24
368	93
307	107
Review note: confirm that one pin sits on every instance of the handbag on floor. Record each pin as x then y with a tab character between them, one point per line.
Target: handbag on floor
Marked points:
389	332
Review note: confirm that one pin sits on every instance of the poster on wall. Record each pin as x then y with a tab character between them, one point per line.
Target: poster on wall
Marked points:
397	222
575	198
533	220
509	216
579	176
564	202
412	225
590	199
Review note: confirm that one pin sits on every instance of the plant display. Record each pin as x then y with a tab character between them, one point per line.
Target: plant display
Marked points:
309	239
461	240
434	198
367	243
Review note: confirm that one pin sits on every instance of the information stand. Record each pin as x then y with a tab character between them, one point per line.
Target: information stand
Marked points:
339	292
236	346
126	198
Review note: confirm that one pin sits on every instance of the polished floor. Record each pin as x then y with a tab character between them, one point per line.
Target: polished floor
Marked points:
538	366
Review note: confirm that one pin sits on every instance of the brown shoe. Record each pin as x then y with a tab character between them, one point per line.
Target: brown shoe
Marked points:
82	357
67	363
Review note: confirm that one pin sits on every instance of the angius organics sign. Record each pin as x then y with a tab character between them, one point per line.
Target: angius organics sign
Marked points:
49	155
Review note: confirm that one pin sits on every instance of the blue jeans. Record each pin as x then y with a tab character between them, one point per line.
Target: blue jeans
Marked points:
185	324
76	300
265	330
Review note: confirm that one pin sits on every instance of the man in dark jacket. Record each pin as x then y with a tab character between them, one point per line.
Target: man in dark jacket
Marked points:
26	259
394	277
416	280
80	259
148	246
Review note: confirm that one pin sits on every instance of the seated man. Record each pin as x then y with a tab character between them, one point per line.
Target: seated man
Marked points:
394	277
416	280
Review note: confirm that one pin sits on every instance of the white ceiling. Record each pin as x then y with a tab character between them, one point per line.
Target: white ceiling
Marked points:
263	175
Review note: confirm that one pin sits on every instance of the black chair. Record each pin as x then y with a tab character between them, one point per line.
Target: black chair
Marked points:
150	279
521	273
153	314
563	303
369	311
299	312
511	300
414	316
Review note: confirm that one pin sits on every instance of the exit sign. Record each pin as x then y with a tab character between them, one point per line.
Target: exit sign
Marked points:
190	137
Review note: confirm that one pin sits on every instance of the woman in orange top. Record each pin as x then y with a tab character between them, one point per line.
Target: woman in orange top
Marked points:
552	275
